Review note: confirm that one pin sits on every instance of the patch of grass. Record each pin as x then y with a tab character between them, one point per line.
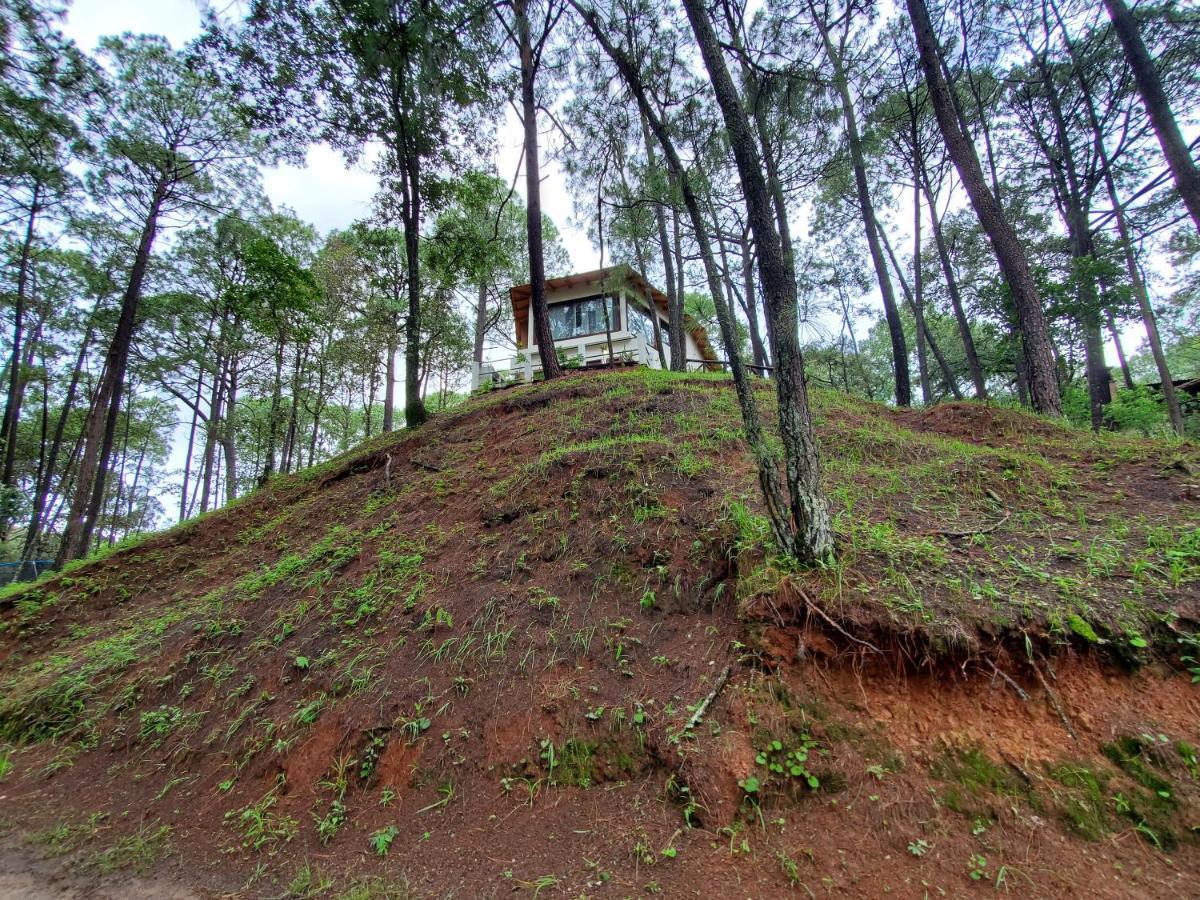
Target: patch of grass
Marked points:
137	852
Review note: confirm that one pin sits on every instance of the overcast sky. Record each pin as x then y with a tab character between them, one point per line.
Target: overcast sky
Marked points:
325	192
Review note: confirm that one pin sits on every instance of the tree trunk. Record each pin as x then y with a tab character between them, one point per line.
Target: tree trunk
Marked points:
675	333
289	442
410	206
1158	108
1136	281
480	322
228	441
273	420
210	437
12	409
42	488
100	426
389	389
1075	203
538	309
768	477
890	311
811	537
918	301
1126	374
750	306
680	273
956	304
947	372
1009	253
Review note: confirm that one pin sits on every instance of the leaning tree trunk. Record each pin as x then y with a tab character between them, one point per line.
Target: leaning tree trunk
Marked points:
947	373
768	477
891	311
12	408
750	307
1010	255
538	309
99	428
812	538
918	301
956	304
42	488
1158	108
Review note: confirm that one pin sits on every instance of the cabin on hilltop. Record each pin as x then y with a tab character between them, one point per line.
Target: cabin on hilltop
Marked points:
597	318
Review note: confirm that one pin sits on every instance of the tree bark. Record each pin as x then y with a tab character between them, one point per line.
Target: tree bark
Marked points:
414	407
480	322
812	535
1158	107
1007	247
12	409
768	477
918	302
675	335
947	372
389	390
538	309
891	311
956	304
100	426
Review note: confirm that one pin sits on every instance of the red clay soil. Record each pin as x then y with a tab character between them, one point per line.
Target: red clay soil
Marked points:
524	650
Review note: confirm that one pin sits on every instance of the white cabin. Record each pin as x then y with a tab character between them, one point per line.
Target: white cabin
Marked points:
597	318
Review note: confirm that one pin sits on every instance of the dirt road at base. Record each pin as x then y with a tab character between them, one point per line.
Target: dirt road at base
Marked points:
23	876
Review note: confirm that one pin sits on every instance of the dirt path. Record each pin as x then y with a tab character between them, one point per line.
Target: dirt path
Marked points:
24	876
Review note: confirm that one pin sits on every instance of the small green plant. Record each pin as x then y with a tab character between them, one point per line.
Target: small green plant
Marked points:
156	724
977	867
789	762
329	824
791	871
919	847
750	785
6	763
381	841
648	600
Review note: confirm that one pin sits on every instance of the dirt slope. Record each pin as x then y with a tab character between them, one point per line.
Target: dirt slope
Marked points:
540	645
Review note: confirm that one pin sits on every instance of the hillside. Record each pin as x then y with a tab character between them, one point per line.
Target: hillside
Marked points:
539	645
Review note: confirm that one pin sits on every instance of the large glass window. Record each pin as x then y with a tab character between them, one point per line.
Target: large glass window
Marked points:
579	317
640	323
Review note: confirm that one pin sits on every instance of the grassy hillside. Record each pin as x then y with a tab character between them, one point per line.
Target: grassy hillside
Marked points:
542	644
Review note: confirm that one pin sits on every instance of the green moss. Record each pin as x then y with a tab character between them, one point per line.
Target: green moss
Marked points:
1133	756
975	773
1084	801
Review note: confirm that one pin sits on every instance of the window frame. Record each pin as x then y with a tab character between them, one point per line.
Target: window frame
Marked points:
574	301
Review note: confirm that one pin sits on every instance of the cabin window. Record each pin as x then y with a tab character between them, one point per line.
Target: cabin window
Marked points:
640	323
577	318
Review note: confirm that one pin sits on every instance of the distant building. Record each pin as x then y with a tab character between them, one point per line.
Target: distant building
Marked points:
596	318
